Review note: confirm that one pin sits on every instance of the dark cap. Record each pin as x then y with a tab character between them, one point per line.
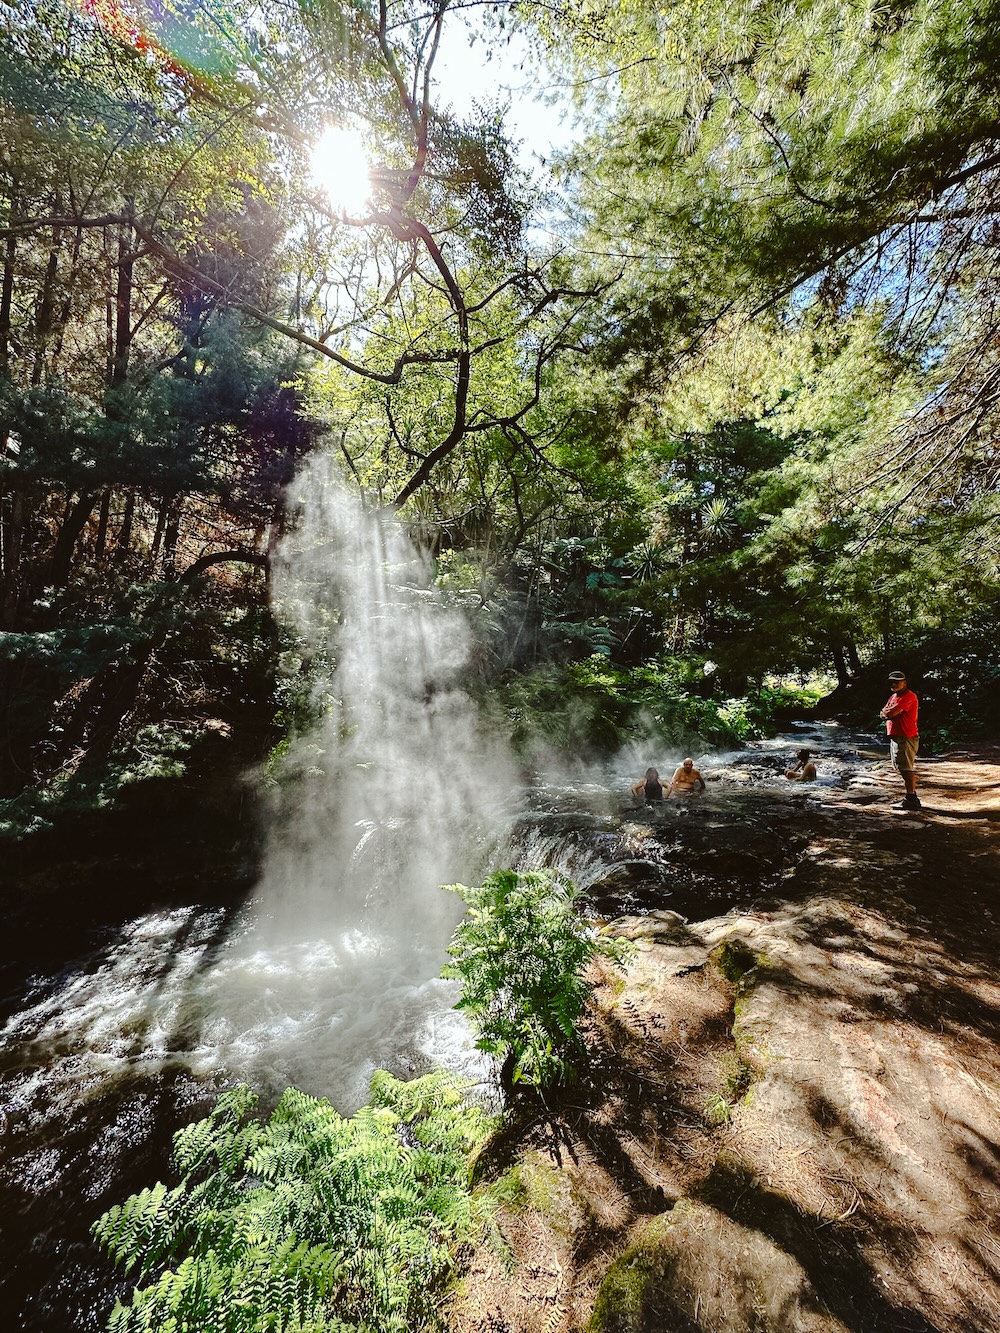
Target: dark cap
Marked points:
897	675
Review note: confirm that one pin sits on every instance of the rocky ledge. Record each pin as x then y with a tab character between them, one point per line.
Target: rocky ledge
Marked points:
793	1117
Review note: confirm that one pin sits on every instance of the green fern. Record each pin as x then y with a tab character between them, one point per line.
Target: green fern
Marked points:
521	954
308	1223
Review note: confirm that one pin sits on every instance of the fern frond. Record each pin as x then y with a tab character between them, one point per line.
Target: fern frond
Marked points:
308	1222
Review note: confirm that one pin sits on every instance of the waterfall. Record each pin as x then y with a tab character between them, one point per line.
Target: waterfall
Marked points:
395	792
330	970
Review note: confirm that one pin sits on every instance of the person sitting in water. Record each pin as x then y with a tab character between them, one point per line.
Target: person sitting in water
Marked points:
649	787
686	778
803	770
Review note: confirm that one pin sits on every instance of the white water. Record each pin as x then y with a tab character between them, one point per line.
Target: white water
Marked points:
398	793
333	968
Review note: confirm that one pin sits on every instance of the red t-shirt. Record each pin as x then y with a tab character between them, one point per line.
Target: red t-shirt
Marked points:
904	723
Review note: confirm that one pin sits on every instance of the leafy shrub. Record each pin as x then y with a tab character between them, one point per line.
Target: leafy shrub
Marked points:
520	955
308	1221
592	708
755	714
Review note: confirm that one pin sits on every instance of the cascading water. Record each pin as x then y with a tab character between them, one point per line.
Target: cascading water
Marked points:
397	792
333	966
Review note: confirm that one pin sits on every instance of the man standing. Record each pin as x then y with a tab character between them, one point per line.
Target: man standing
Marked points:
900	715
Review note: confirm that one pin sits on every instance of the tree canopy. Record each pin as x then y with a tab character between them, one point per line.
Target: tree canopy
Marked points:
722	387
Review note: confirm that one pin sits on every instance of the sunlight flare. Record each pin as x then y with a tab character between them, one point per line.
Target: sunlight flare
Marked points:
340	168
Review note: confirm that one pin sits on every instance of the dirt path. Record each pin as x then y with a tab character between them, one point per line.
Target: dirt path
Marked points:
794	1115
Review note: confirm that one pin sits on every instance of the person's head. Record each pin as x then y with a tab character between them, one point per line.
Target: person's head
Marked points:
688	764
652	775
897	679
804	756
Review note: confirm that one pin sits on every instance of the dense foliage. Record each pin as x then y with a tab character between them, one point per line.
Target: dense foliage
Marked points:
309	1220
711	407
807	249
742	412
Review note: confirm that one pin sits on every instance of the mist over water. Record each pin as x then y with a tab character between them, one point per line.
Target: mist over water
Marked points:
333	967
396	792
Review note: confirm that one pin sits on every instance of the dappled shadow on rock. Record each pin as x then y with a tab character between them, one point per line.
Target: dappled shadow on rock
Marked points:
791	1121
832	1275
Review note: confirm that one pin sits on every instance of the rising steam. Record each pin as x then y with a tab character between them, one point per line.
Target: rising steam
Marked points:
395	793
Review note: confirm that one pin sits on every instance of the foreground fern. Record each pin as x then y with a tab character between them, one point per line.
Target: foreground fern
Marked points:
310	1222
520	954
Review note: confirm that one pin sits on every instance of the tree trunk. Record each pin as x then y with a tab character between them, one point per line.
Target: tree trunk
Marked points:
116	689
105	704
16	761
840	666
66	309
123	303
161	523
124	541
15	521
62	554
15	753
44	319
7	287
170	537
11	520
101	541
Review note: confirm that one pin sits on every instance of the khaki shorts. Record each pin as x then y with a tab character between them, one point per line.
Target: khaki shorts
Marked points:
903	752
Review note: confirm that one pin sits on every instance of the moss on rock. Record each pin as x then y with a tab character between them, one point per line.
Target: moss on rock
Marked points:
645	1266
696	1269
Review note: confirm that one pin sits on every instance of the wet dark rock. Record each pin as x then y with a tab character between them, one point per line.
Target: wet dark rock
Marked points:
634	873
631	886
724	850
548	823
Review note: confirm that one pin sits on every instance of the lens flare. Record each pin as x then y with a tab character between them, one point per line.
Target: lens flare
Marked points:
340	168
